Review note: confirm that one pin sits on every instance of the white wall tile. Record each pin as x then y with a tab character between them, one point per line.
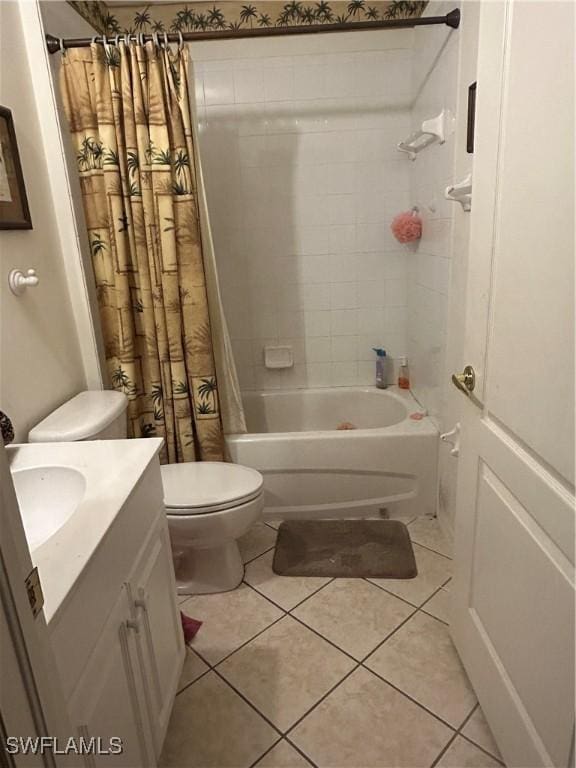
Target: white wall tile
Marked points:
248	85
343	322
343	296
303	177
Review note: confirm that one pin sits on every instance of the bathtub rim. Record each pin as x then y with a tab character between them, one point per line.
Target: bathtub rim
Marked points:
405	427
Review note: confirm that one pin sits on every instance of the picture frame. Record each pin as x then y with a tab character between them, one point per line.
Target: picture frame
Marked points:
14	209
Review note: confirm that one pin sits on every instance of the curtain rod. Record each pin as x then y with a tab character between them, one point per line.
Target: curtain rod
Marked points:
451	19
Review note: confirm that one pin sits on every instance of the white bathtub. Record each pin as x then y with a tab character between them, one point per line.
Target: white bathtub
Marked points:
312	469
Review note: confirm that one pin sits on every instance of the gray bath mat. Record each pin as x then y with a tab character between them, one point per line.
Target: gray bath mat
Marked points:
378	549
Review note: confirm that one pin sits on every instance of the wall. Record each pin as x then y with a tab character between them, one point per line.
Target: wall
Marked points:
444	67
298	141
40	359
168	16
451	400
435	70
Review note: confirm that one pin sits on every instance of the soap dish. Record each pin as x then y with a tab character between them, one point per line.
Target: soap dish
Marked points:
278	357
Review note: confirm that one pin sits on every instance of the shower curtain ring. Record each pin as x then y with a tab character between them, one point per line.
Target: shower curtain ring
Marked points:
61	45
180	41
105	43
166	41
156	39
127	39
117	40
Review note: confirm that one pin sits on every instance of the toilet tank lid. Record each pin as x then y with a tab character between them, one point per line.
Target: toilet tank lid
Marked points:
82	417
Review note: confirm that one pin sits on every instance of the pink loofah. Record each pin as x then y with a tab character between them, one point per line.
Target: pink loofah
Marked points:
407	227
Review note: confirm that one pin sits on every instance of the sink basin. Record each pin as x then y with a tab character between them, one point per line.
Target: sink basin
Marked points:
47	497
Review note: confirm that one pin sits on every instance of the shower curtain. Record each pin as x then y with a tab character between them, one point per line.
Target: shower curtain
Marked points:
130	119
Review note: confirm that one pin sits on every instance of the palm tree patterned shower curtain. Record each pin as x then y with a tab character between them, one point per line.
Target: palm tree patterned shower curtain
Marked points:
129	115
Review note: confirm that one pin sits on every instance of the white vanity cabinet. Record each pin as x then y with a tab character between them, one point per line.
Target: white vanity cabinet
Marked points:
118	638
109	700
158	629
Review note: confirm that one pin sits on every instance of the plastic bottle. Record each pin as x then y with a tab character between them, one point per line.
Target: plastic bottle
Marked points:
403	374
381	368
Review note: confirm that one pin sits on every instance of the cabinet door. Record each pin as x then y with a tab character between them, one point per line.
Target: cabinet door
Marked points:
160	638
109	698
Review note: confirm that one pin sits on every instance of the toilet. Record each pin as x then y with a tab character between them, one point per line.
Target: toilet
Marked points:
209	505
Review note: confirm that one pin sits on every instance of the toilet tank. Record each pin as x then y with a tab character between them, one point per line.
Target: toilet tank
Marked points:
94	415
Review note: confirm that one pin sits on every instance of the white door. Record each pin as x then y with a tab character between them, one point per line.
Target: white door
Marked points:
513	619
31	700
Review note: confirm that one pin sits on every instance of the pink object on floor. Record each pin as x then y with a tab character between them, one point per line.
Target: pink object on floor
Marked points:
407	227
190	627
417	416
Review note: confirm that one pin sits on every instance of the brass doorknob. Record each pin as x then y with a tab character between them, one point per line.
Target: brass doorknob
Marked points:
465	381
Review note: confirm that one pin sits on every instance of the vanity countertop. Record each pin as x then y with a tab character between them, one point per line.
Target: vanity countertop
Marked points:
112	470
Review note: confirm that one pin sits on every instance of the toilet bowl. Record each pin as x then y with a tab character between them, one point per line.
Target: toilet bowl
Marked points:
209	504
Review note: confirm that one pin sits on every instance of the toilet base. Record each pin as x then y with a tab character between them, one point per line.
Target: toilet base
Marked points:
207	570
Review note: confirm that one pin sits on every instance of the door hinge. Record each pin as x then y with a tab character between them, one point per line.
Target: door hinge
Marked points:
34	591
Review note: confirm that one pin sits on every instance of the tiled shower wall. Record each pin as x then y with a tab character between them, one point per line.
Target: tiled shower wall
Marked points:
298	143
435	71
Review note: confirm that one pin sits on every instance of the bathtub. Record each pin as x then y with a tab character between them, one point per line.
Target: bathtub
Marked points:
311	469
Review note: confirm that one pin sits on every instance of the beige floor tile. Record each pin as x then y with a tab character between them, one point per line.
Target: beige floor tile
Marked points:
286	591
274	523
365	722
230	619
426	531
462	754
478	730
283	755
285	671
421	660
433	571
212	727
192	669
439	605
256	541
354	614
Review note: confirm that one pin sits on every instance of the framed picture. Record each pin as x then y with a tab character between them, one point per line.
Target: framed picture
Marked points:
14	211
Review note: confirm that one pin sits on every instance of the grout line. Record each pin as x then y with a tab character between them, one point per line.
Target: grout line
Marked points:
482	749
431	615
288	610
261	554
436	552
330	642
304	755
253	764
185	688
444	750
246	642
321	699
388	636
414	701
403	599
247	700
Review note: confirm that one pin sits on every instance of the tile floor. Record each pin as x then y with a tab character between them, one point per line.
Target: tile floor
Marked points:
334	673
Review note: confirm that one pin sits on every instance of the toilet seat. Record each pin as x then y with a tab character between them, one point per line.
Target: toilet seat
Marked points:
197	488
